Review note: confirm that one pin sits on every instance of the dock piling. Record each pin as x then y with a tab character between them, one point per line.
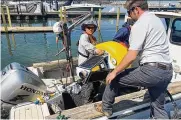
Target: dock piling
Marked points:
4	20
6	31
99	25
60	14
117	21
18	17
35	18
10	25
9	17
27	18
65	15
13	41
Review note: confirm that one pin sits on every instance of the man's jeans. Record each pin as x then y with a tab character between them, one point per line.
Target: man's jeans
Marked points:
153	78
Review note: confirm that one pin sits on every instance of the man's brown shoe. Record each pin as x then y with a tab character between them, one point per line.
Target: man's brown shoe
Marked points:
98	108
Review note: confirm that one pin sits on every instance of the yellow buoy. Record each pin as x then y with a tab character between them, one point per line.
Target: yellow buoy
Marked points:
116	51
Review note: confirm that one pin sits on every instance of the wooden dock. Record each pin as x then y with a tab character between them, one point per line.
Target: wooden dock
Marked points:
28	16
45	29
26	29
121	103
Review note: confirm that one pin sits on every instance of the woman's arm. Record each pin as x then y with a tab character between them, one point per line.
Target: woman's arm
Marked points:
84	41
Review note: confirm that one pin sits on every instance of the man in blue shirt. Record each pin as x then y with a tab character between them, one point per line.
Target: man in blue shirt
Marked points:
122	35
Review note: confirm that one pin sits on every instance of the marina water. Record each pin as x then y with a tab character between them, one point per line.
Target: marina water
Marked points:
28	48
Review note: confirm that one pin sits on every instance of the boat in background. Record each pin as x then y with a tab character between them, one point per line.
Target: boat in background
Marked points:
70	5
82	7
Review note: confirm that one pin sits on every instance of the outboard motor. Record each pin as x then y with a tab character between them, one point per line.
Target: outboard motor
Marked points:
19	84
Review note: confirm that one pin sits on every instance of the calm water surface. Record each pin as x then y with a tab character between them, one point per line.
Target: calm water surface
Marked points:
28	48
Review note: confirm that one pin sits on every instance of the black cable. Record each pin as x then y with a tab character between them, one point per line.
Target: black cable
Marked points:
58	56
171	98
8	102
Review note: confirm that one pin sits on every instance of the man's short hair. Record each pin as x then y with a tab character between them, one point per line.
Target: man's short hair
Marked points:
135	3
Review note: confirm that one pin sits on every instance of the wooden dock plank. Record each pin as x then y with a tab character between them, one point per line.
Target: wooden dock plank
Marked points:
121	103
26	29
69	13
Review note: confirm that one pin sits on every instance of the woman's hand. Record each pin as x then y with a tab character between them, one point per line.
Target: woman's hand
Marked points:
110	77
99	52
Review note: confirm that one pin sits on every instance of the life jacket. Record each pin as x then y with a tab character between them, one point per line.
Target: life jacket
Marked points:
92	40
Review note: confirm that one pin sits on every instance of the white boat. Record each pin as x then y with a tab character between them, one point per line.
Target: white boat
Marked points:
173	28
82	7
28	86
135	105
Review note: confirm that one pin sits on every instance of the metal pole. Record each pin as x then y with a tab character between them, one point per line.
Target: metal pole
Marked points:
56	3
78	22
159	5
20	7
42	7
92	13
50	5
99	25
17	9
117	22
67	45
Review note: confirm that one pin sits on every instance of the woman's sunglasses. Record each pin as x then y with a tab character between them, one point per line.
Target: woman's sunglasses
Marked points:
90	27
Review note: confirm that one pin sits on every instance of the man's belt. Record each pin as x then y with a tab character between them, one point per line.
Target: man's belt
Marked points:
163	66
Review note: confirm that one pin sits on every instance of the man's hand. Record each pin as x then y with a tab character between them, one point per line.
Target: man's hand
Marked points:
127	60
110	77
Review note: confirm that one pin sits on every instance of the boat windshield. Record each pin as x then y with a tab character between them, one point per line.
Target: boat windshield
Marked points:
165	22
176	32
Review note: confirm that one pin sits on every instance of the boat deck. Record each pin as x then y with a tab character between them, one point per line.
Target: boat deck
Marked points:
122	103
29	111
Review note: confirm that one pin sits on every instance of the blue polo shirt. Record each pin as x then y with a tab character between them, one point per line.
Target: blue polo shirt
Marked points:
122	35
